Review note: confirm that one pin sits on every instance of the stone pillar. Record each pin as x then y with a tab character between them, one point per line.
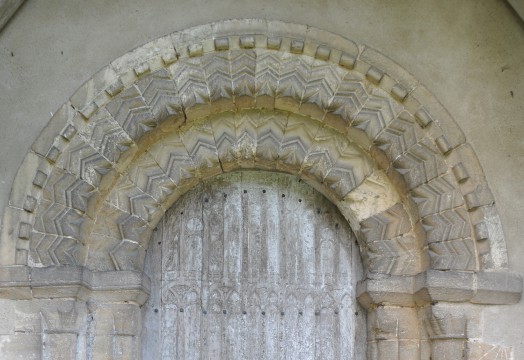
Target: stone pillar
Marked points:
114	331
63	331
395	333
68	312
448	337
114	315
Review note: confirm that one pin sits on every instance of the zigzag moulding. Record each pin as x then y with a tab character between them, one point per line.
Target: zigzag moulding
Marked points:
269	96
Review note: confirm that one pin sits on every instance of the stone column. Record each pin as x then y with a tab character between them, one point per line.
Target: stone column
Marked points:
448	337
396	333
113	331
68	312
114	317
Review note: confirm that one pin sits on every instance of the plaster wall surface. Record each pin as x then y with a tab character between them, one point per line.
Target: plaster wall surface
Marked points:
469	54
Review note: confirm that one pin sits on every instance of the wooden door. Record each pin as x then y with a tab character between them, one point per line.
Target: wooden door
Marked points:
252	265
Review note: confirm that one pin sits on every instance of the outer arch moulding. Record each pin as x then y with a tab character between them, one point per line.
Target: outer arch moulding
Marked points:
109	124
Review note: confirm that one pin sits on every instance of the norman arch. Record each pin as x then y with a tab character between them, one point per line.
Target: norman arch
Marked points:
256	94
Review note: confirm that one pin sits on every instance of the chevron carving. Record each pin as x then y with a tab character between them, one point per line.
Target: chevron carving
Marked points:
421	163
447	225
398	256
385	225
220	107
162	119
437	195
130	110
459	254
160	94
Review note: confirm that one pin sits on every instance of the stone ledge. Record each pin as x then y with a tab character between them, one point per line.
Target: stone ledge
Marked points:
22	282
488	288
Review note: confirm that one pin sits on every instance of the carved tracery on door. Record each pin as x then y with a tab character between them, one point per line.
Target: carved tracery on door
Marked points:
253	265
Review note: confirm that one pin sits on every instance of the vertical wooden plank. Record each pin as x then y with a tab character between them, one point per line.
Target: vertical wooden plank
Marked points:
252	219
214	325
327	329
271	326
235	239
346	325
254	320
169	323
307	329
290	337
232	225
152	310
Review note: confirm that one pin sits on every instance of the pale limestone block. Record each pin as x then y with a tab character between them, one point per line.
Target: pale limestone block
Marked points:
325	90
7	317
452	349
497	287
144	59
332	40
469	174
20	347
497	257
388	323
115	142
159	92
23	186
100	347
55	281
394	350
183	39
239	26
128	255
443	123
458	254
395	71
126	347
400	255
99	257
15	282
481	351
59	346
10	233
117	319
28	318
450	286
92	91
374	195
298	138
457	320
290	90
280	28
392	290
200	144
63	116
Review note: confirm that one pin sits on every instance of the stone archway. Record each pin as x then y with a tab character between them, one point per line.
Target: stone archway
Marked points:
253	265
267	95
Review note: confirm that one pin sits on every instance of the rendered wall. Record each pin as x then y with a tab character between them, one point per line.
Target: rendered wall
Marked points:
468	54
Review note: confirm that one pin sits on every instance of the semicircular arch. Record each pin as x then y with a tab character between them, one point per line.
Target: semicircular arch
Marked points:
186	76
266	95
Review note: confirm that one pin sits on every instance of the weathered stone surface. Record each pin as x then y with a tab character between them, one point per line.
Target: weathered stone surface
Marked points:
392	323
497	287
20	346
361	203
448	349
478	350
121	112
225	252
392	290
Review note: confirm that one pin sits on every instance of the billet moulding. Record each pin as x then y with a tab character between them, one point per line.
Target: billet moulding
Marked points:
168	115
